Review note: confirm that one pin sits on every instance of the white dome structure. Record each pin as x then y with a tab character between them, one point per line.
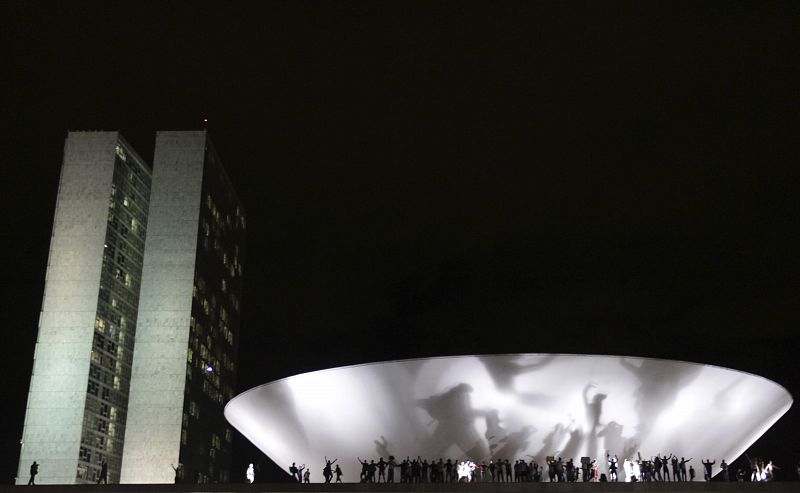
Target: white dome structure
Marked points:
515	406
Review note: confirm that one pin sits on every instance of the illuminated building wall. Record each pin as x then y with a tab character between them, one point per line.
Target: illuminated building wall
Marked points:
184	365
76	411
510	407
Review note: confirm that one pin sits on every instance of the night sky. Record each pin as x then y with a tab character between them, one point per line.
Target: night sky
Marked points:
443	178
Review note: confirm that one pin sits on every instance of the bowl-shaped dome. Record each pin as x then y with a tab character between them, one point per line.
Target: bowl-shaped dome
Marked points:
516	406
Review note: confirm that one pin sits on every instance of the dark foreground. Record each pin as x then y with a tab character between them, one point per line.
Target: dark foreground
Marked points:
653	487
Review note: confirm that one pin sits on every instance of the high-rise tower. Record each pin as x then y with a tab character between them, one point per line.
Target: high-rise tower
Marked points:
184	365
77	402
137	377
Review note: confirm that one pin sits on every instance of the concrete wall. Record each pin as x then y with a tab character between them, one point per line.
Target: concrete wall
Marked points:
54	414
155	406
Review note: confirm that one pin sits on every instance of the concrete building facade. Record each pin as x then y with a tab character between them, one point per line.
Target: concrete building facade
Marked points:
137	378
184	365
77	402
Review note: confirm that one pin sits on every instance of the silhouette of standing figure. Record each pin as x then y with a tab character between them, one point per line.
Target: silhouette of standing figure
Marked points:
364	469
612	467
391	464
327	471
178	472
103	473
691	473
665	466
707	469
34	472
683	467
307	476
338	472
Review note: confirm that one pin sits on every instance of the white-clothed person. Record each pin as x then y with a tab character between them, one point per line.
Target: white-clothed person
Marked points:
628	467
250	474
465	469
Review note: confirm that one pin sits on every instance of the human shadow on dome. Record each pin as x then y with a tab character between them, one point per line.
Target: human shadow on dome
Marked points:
614	441
660	382
503	370
553	440
382	447
495	432
454	416
514	443
594	411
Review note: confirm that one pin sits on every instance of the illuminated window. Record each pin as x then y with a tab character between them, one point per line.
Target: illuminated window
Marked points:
194	411
121	152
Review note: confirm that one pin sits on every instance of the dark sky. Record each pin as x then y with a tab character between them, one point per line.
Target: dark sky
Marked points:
444	178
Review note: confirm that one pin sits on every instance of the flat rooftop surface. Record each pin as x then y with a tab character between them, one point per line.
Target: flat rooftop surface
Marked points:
652	487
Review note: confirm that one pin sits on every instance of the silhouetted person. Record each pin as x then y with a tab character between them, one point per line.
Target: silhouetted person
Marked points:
391	464
364	469
34	472
612	467
103	473
665	467
327	471
178	472
307	476
691	473
371	471
381	470
707	469
676	473
724	467
300	473
293	472
338	472
682	465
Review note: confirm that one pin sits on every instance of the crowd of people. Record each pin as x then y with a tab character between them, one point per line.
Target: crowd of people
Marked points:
554	469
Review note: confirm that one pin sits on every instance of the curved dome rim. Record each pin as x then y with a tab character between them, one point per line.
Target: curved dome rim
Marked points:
242	395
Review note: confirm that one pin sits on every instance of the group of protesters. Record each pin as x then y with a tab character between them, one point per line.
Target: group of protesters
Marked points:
555	469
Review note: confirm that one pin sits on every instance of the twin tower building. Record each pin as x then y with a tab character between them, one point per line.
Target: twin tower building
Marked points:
138	333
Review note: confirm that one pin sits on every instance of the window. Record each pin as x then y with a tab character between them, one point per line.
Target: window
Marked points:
121	153
194	411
